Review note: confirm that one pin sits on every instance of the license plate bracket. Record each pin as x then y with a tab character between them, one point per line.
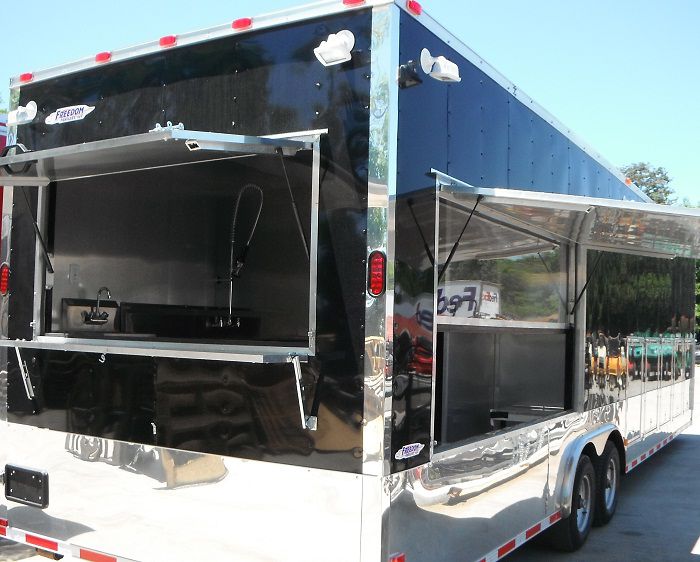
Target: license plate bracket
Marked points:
27	486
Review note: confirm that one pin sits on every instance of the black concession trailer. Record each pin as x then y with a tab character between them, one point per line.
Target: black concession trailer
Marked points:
323	284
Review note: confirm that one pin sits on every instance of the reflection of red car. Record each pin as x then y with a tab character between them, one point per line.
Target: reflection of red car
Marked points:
422	361
413	354
413	351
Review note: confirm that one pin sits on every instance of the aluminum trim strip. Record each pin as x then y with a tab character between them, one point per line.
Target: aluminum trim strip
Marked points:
214	141
504	324
15	181
563	202
260	22
378	372
214	352
377	405
583	211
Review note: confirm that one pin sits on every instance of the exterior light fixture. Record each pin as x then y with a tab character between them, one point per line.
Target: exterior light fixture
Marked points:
22	115
439	68
336	49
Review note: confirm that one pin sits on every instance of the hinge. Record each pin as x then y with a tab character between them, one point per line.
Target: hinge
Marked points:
168	127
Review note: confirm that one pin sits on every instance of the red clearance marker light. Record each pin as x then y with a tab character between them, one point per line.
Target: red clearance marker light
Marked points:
242	23
414	7
4	284
397	557
353	2
376	282
168	41
103	57
26	77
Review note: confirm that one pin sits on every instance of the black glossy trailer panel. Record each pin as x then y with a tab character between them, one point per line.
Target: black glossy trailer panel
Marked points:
260	83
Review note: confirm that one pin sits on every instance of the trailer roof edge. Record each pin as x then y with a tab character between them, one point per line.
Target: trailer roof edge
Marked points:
332	7
261	21
472	56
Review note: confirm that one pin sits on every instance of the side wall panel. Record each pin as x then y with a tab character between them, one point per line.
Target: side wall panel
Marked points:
478	132
254	83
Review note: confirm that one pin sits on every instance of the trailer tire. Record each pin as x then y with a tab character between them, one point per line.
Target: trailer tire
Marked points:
607	484
570	533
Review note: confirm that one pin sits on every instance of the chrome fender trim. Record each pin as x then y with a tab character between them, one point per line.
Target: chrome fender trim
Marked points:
598	437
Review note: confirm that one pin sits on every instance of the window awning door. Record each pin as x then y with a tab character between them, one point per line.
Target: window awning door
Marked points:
156	149
604	224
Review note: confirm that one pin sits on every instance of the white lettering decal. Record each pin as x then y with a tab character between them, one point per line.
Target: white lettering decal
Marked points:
408	451
68	114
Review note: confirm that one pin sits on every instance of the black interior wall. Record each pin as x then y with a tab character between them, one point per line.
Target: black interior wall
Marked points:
163	238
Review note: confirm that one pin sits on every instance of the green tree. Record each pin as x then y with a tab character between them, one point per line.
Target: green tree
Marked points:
651	180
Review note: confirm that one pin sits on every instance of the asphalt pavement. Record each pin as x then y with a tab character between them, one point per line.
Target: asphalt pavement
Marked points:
657	518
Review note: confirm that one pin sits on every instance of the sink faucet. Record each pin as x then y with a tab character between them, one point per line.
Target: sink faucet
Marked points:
95	316
99	292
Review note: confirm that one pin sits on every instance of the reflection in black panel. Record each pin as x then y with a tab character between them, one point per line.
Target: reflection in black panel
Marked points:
127	97
79	393
637	309
632	295
413	322
251	411
244	410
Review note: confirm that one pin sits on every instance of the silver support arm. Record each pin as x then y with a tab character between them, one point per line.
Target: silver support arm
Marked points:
307	422
25	375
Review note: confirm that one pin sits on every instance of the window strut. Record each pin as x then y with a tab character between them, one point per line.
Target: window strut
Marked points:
420	231
24	372
590	276
49	266
309	422
459	238
294	205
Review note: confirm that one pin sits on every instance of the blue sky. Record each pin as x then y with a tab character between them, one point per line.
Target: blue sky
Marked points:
623	75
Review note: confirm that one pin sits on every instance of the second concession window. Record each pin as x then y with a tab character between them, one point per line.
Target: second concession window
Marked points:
504	340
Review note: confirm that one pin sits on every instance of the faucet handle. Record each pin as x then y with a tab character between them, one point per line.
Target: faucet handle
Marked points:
104	290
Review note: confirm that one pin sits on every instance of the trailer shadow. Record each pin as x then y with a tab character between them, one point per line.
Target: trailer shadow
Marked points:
37	521
11	551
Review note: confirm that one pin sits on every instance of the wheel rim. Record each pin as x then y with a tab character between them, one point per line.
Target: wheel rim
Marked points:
610	483
583	511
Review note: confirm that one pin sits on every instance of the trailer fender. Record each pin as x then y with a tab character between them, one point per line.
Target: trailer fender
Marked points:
567	473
